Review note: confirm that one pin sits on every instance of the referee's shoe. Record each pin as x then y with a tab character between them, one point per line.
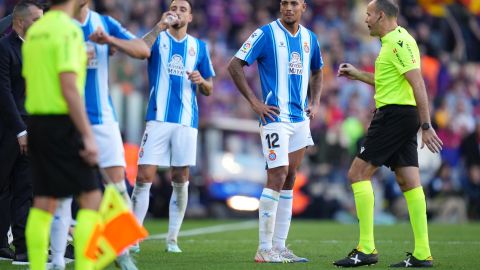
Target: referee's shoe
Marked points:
6	254
357	258
411	261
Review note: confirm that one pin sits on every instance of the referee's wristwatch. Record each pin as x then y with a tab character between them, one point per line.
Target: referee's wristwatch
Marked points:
426	126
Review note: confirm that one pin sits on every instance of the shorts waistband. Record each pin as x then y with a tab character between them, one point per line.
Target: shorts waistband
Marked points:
396	106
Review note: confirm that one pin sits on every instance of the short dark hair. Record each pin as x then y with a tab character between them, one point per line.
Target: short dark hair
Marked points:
188	1
389	7
57	2
22	7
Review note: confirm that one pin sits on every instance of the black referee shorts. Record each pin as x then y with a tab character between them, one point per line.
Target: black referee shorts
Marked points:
58	170
392	137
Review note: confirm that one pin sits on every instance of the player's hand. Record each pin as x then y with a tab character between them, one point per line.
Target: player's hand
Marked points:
312	110
23	144
112	50
89	153
168	19
431	140
264	110
100	36
348	70
195	77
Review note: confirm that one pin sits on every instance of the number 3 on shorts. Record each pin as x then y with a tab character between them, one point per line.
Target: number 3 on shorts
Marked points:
272	140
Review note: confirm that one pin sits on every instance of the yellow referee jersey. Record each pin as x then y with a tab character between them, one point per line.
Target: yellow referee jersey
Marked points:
53	45
398	55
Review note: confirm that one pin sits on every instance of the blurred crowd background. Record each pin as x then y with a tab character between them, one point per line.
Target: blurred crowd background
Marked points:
448	34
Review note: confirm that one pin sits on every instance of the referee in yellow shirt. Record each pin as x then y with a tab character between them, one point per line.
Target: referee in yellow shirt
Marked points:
402	108
61	143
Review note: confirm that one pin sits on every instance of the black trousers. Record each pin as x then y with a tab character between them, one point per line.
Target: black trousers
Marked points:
16	191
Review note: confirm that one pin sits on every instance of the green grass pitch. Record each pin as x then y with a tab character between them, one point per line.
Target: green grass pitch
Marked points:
453	246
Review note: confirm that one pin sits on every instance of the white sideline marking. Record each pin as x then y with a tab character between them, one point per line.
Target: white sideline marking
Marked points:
212	229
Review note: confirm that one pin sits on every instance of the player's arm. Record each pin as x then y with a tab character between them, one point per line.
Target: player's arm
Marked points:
78	115
161	26
136	48
205	86
429	137
351	72
315	93
235	68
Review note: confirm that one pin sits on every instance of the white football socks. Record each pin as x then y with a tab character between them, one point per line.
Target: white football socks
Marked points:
141	200
178	205
122	188
284	218
266	217
59	231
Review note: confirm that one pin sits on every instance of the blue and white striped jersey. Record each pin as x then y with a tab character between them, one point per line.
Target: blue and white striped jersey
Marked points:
284	63
173	96
97	97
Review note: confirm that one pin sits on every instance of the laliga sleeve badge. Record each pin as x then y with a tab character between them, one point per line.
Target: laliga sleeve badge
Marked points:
141	152
272	156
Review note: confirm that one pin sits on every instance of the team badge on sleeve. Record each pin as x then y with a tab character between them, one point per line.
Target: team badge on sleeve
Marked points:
306	47
272	156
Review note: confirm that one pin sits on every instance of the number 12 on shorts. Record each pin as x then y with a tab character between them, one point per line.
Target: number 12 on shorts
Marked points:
272	140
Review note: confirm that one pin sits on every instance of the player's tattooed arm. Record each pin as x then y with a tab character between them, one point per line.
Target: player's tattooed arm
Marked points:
151	36
315	93
316	86
168	18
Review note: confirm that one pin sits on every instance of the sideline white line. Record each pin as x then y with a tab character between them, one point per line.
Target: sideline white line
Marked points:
212	229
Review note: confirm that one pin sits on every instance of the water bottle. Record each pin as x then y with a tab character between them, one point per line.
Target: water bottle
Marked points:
170	19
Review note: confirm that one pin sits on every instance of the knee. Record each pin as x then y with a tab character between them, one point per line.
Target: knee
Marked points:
290	179
145	175
291	176
180	175
276	178
90	200
117	175
280	175
353	176
406	185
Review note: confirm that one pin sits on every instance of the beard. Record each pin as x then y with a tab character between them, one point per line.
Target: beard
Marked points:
289	20
178	25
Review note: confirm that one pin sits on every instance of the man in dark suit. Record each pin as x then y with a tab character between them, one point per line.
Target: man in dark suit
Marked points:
15	182
5	25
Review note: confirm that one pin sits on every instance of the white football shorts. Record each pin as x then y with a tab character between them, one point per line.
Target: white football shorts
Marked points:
168	145
109	144
281	138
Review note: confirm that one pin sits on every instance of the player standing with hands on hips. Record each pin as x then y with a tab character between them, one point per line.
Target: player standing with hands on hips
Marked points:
287	53
179	65
402	108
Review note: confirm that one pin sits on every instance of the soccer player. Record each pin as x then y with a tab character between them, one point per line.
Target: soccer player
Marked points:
15	181
287	53
61	142
179	65
100	34
402	108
